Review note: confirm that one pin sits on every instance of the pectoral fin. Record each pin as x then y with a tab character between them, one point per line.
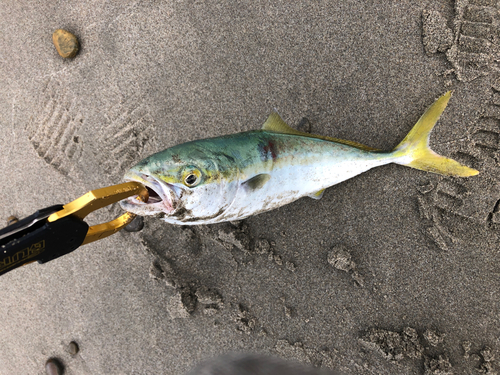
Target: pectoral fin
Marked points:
256	182
318	194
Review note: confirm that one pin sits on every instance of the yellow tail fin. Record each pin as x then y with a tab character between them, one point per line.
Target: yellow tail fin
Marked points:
414	150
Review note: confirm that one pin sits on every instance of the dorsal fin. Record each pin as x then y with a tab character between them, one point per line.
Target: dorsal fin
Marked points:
275	123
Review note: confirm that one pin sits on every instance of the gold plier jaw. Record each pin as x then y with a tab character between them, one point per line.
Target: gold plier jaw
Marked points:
97	199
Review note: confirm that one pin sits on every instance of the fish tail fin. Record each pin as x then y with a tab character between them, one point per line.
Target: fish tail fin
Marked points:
414	150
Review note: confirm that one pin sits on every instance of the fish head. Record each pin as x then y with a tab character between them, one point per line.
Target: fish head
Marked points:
187	184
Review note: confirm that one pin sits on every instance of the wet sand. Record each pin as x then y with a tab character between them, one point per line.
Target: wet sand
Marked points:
392	272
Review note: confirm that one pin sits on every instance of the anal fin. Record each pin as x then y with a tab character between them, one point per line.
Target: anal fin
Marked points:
318	194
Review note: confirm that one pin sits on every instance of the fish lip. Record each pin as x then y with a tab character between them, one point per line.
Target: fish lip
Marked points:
164	190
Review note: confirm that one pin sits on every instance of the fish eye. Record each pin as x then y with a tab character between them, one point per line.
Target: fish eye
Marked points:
192	177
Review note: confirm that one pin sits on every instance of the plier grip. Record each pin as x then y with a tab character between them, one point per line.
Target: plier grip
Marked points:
58	230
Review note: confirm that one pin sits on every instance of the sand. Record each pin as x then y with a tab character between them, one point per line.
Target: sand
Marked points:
392	272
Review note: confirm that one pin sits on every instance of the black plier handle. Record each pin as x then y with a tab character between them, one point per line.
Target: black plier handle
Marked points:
57	230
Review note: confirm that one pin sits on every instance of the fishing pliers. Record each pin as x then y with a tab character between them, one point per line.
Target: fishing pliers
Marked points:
58	230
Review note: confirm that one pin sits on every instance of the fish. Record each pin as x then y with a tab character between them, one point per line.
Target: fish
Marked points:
235	176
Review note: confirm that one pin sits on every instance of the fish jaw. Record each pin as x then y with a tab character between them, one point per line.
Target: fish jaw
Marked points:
162	197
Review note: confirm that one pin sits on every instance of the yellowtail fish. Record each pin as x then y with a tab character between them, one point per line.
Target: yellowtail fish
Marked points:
235	176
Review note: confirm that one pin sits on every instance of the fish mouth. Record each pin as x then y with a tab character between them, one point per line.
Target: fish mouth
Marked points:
162	196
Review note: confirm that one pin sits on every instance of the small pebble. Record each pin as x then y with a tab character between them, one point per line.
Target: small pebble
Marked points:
66	43
12	220
135	225
304	125
53	367
73	348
